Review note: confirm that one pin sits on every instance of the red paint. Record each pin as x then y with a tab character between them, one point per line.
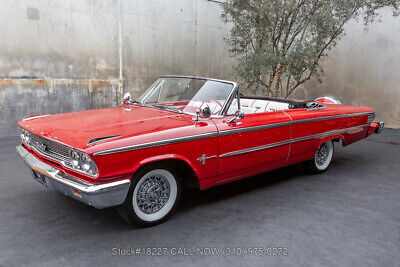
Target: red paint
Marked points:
139	125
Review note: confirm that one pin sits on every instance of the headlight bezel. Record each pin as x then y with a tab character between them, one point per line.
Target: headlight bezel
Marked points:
25	136
83	163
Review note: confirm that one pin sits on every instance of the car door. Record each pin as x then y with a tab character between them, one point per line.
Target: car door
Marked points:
254	144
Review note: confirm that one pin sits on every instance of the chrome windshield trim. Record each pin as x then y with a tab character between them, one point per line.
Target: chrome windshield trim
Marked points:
196	77
224	108
157	143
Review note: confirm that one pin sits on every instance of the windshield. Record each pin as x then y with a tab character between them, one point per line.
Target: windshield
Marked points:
187	94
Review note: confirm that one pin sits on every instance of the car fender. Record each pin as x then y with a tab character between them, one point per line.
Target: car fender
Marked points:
332	137
164	157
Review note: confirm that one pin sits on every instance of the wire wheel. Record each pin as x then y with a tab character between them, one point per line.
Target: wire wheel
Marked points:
154	195
323	155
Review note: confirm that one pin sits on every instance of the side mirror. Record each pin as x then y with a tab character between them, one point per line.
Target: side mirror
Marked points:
238	116
204	112
127	99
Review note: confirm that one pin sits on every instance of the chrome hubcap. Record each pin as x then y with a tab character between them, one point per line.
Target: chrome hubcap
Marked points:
322	154
152	194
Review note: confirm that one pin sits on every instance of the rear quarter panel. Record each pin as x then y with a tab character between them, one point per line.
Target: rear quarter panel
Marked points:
303	150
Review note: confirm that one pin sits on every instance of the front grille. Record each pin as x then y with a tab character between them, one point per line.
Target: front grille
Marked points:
50	149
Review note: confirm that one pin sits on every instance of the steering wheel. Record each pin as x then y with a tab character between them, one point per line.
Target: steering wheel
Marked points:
216	101
213	100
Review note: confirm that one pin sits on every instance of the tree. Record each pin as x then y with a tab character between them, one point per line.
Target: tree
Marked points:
279	43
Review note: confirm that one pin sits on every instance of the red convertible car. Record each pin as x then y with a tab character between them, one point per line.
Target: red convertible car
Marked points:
183	131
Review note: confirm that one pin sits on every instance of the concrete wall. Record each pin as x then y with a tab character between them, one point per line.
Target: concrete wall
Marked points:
63	55
364	70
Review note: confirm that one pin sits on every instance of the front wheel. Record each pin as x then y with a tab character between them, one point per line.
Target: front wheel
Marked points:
322	158
153	196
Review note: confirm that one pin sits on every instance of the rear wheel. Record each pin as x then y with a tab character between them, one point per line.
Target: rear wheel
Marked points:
322	158
153	196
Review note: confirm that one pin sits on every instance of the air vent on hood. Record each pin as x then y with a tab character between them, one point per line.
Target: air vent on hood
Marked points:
98	139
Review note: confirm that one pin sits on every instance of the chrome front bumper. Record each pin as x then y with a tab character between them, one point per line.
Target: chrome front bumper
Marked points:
96	195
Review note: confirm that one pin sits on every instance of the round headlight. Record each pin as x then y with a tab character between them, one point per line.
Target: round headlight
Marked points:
87	164
75	159
22	133
27	137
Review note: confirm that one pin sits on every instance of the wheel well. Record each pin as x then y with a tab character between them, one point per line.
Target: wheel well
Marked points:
338	140
185	172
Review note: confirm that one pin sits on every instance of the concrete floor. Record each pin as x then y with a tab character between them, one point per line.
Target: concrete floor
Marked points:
348	216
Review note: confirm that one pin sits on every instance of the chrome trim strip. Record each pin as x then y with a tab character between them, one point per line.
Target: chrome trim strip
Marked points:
253	149
281	124
34	117
224	108
223	133
332	117
304	138
255	128
196	77
157	143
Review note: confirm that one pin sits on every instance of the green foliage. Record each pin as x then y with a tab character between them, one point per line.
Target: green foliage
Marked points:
279	43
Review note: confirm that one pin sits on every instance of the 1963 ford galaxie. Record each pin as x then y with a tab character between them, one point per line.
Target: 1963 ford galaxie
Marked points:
182	131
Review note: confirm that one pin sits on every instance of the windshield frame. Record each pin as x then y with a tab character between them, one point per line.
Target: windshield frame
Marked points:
224	108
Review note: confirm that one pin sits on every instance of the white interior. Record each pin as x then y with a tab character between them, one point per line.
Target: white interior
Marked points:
249	106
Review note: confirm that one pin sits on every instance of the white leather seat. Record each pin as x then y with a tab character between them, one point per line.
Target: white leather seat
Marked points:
275	106
248	106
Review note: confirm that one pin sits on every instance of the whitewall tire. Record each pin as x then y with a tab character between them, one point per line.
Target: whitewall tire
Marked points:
322	158
153	196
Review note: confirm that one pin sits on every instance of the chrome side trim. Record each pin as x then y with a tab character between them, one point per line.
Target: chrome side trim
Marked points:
157	143
333	117
253	149
248	150
281	124
223	133
304	138
255	128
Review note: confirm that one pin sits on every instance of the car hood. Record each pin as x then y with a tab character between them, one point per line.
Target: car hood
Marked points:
76	129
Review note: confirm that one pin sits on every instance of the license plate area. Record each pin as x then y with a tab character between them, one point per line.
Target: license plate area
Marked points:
39	177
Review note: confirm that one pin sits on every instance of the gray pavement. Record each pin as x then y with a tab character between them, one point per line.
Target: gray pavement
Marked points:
348	216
